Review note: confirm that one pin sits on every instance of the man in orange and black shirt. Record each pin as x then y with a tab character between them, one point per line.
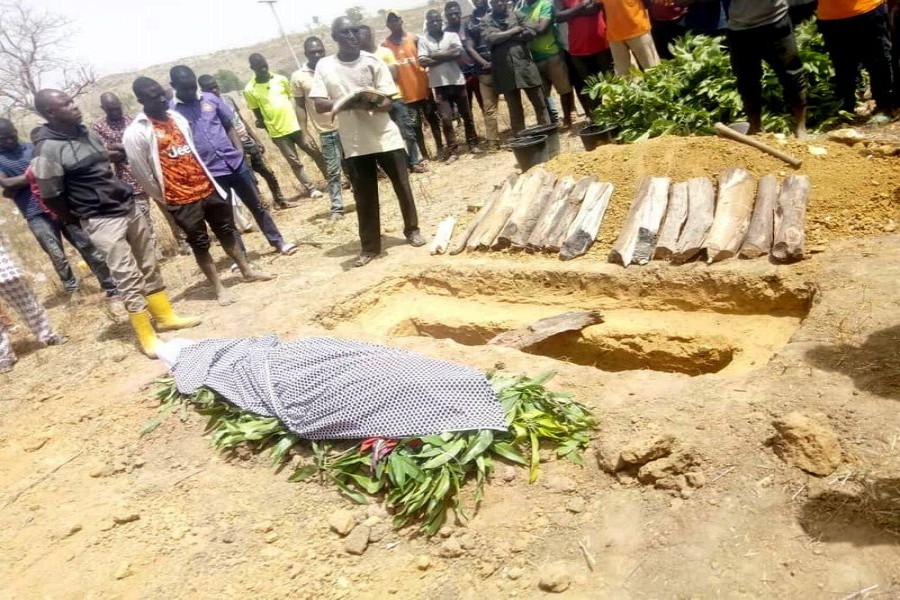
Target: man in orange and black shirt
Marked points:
165	162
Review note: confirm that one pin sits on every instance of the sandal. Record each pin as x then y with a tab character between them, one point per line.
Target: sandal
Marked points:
364	259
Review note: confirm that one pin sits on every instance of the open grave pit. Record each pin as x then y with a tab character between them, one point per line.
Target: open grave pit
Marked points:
687	321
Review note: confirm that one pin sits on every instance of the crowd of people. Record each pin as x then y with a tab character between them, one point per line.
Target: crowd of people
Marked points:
191	149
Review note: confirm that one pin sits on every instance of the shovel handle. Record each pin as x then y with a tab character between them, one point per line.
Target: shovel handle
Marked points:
727	132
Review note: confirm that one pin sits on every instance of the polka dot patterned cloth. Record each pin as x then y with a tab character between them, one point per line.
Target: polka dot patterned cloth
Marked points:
323	388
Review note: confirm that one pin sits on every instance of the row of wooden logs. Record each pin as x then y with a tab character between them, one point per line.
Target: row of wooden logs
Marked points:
749	217
537	212
669	221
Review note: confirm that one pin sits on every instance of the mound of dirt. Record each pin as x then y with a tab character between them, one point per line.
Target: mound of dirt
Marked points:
852	195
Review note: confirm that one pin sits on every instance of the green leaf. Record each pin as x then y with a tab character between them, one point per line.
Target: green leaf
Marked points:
303	473
448	454
481	443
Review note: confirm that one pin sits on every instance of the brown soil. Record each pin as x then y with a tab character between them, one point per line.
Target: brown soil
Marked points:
711	512
852	194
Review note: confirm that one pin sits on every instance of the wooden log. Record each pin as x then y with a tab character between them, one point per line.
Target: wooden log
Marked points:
651	219
701	211
528	196
563	220
737	192
486	233
762	223
676	215
561	193
650	192
543	198
588	225
546	328
459	244
442	236
790	219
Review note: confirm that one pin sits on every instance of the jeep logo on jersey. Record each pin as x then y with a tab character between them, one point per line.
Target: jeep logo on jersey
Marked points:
178	151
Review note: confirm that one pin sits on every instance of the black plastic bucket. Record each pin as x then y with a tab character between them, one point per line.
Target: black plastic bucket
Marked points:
552	133
530	151
597	135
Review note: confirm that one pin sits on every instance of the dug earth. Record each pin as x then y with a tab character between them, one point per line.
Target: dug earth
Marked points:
748	440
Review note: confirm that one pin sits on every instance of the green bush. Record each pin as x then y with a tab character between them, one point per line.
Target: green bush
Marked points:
688	94
228	81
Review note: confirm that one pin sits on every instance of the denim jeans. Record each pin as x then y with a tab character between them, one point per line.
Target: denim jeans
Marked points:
401	116
334	156
49	234
241	181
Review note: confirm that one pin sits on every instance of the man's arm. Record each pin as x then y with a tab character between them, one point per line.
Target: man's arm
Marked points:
323	105
300	103
494	36
137	151
478	58
564	14
12	183
430	58
51	181
226	117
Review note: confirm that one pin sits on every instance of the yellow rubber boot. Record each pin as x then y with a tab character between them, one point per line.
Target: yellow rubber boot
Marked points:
140	322
166	320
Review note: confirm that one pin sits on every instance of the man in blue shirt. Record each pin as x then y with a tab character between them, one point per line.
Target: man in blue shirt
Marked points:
220	148
15	157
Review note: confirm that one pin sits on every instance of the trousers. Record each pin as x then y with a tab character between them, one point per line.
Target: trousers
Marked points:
50	233
259	165
127	248
490	98
776	45
18	294
401	116
448	97
363	172
517	112
288	145
241	181
334	158
860	41
425	110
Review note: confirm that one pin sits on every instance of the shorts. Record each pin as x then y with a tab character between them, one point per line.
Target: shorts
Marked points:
192	219
554	72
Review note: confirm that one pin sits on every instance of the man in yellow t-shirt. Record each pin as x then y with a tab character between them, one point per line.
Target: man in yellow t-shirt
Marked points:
856	35
271	99
628	32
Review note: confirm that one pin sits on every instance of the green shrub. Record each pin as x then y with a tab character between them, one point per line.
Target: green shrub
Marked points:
688	94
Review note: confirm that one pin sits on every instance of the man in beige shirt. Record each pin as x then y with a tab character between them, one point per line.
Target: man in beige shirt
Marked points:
322	123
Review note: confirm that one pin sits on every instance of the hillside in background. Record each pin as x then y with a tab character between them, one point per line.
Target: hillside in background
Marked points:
233	59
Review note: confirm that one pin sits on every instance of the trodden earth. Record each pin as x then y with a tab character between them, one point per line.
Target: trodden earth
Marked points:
749	415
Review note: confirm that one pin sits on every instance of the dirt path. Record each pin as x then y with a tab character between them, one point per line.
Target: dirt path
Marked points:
90	508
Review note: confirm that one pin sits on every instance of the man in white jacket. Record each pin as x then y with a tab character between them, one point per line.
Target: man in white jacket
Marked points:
164	160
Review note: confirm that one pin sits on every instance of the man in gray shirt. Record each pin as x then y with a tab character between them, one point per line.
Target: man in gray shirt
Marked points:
761	30
439	52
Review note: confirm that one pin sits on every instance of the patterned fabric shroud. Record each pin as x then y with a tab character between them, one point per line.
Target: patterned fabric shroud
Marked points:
323	388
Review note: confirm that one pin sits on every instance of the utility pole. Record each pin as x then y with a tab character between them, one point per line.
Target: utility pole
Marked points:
271	4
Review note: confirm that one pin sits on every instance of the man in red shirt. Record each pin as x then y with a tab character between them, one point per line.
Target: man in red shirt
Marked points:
164	160
587	43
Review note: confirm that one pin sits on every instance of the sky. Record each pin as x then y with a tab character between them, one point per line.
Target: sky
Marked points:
125	35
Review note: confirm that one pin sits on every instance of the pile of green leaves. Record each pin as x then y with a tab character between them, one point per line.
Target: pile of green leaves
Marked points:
420	478
690	93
